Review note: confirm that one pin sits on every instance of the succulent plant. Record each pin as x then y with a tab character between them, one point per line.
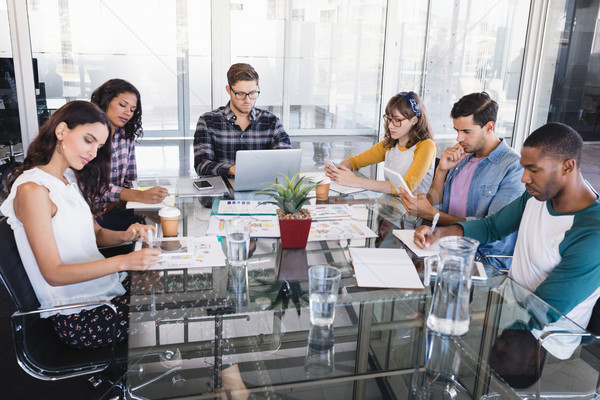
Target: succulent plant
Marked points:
292	196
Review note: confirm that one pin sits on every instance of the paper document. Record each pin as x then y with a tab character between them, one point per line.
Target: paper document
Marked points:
329	211
407	237
169	201
187	252
384	268
339	229
246	207
265	226
344	189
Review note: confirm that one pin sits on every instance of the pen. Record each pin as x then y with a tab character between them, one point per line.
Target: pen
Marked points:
436	217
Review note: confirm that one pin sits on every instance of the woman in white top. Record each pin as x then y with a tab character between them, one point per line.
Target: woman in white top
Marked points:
407	148
50	205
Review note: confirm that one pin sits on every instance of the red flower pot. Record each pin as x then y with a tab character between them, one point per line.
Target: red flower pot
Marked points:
294	233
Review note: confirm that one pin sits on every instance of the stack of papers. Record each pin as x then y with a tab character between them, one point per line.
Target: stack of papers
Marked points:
384	268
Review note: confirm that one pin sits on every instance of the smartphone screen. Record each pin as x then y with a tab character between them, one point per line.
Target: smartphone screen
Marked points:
203	185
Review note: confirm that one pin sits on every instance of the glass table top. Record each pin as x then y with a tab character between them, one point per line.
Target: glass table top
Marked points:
198	333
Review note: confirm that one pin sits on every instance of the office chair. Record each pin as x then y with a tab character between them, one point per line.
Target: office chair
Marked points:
38	349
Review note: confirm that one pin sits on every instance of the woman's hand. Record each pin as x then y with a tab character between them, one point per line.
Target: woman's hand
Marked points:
136	231
342	175
140	260
153	195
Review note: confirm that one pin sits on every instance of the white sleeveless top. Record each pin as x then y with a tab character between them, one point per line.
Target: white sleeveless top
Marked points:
73	228
400	161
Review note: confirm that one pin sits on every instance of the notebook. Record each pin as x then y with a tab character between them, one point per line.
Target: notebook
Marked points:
254	169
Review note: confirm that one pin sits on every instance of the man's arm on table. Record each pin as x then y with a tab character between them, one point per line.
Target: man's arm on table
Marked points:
485	230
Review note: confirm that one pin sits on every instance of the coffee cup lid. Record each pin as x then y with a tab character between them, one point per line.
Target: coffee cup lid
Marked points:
169	212
325	180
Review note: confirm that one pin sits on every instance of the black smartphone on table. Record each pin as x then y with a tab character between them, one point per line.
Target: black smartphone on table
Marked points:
203	185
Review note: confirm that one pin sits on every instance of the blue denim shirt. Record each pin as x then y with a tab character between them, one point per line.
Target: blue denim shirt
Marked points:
495	183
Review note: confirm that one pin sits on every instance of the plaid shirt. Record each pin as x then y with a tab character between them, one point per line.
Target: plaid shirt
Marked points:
217	138
123	170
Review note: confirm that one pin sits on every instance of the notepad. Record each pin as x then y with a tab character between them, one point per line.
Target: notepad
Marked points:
384	268
407	237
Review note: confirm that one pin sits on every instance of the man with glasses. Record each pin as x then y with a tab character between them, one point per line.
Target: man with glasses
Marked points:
476	177
238	125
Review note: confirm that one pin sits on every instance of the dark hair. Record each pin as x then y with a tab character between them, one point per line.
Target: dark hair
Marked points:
479	105
241	72
420	131
558	141
110	89
94	177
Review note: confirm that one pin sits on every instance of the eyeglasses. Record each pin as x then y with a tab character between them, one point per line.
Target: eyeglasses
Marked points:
242	95
397	122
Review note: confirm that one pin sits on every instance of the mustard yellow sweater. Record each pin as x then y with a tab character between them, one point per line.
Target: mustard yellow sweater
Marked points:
424	157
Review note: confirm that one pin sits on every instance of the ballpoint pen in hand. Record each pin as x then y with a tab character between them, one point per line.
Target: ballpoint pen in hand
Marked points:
436	217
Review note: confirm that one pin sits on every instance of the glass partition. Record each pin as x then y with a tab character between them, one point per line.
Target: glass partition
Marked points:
473	46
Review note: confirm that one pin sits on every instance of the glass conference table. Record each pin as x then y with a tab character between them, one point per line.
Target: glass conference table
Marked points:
196	332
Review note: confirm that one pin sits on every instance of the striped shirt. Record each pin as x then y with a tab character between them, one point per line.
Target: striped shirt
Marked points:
218	138
123	170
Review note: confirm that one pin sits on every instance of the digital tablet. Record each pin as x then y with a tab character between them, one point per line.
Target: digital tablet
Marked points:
396	179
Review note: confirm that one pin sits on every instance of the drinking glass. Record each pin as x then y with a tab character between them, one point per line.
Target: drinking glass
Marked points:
323	285
238	241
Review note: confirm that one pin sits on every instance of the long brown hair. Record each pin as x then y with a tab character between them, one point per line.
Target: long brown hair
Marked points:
94	177
420	131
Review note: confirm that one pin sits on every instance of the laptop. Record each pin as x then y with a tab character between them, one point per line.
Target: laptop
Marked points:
255	167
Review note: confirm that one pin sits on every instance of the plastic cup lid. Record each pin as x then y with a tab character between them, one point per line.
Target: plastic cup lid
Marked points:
169	212
324	181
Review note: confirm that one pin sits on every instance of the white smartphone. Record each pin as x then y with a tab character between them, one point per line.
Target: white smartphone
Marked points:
332	163
396	179
203	185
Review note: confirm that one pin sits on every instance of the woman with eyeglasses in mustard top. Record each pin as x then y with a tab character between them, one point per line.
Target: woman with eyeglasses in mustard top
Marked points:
407	148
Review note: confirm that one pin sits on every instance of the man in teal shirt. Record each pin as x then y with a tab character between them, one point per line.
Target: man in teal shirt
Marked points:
557	254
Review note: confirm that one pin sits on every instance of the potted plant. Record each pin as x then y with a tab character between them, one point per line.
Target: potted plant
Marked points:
294	221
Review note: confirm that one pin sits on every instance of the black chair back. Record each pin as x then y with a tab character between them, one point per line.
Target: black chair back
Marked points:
13	273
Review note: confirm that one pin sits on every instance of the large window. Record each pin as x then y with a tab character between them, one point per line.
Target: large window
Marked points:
327	67
568	88
449	49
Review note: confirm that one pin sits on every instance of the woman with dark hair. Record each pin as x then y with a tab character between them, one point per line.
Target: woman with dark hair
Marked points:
121	102
52	197
407	148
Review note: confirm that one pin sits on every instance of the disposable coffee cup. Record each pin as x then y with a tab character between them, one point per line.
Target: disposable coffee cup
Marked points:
322	189
169	220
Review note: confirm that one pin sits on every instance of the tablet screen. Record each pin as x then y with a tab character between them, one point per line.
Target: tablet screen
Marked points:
396	179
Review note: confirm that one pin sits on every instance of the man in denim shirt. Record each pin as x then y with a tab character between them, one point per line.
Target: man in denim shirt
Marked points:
476	177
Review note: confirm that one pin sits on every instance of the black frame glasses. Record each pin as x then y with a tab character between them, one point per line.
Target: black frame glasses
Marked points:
396	122
253	95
